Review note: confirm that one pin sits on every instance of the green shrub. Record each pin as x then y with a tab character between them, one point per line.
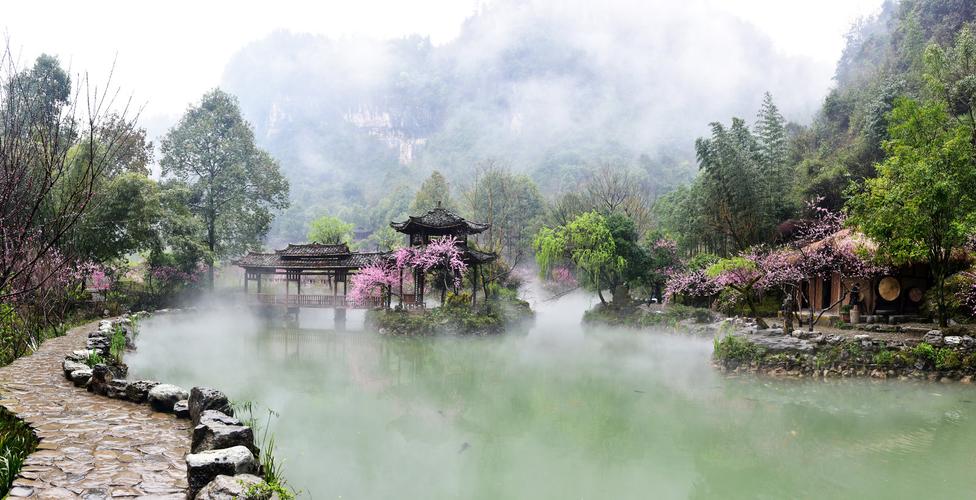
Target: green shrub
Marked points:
736	348
924	352
853	349
969	361
904	358
947	359
884	358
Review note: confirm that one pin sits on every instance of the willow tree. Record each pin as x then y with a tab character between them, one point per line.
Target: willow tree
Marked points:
236	186
587	242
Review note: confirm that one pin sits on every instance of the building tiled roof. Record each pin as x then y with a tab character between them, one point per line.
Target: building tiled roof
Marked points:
277	261
440	221
313	250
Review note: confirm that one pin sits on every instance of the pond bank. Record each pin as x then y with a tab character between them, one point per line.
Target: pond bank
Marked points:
90	446
936	355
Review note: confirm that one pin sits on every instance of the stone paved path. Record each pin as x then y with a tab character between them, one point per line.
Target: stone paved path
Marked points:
90	446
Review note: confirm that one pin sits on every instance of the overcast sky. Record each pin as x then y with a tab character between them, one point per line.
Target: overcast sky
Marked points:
168	53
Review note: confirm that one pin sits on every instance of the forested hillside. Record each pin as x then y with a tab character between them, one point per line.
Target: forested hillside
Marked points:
548	91
883	61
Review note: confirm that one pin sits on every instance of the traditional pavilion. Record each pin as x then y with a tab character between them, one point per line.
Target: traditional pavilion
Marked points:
442	223
332	265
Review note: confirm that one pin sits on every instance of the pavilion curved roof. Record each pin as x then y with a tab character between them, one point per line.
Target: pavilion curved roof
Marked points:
313	250
439	221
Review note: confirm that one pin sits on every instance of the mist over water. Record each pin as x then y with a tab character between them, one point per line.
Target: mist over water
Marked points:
561	412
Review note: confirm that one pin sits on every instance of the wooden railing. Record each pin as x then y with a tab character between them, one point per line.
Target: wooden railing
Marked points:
317	301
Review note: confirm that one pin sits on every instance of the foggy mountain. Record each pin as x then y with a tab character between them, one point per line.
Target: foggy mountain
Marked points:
549	90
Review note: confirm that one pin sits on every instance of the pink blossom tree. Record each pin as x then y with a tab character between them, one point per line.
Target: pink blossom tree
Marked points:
377	276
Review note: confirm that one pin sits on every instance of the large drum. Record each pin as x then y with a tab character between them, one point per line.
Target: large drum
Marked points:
889	288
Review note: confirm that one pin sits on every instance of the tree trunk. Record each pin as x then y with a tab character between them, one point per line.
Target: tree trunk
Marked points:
211	244
788	313
761	323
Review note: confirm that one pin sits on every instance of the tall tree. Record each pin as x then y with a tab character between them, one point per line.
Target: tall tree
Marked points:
922	205
733	202
775	174
434	192
511	203
951	77
330	230
235	185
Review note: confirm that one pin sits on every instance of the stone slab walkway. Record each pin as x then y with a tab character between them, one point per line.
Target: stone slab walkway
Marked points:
91	447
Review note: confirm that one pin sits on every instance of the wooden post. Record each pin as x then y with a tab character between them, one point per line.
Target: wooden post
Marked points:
474	286
259	283
401	288
245	282
299	282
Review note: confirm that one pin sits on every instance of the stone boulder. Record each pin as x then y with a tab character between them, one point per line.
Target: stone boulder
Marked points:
101	376
138	391
181	409
217	430
116	388
101	344
934	338
205	398
163	397
70	366
204	467
229	487
80	355
782	343
81	377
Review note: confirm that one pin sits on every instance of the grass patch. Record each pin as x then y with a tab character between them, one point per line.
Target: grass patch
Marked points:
274	484
668	316
17	441
117	347
455	317
736	348
94	359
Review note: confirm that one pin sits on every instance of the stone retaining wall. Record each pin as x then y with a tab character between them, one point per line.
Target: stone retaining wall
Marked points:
935	356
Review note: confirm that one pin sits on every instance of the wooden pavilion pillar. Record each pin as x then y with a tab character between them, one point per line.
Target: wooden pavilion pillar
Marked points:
259	282
474	285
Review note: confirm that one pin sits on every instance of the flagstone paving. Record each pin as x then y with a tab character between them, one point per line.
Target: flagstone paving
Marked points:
91	447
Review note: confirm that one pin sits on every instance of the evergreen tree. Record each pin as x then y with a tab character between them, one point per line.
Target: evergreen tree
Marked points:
235	185
775	174
434	192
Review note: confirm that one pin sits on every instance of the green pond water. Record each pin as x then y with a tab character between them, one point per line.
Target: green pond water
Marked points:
559	413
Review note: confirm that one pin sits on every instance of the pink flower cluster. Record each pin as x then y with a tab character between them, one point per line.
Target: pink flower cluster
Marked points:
443	253
691	284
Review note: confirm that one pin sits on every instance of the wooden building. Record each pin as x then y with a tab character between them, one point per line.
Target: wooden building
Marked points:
900	292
